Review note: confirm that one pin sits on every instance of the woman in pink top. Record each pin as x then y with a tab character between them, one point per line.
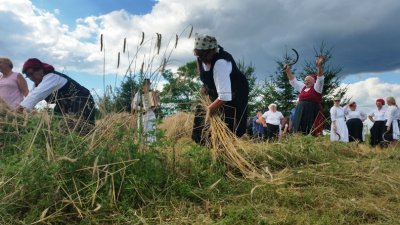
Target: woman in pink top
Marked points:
13	86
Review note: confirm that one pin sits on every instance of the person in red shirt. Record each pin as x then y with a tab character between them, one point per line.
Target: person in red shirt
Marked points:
308	118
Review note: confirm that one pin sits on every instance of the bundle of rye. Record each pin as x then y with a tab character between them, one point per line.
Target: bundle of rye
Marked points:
228	148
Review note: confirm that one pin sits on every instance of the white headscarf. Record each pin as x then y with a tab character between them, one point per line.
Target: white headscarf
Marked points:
205	42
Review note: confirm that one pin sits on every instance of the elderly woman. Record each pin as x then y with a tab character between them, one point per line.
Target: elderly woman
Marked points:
224	84
339	130
308	117
392	116
69	97
271	120
378	118
13	86
354	122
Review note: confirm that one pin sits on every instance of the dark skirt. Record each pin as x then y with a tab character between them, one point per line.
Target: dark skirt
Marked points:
234	117
198	125
377	130
304	117
271	131
355	127
388	135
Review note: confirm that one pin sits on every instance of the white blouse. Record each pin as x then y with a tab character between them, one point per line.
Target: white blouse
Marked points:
392	113
378	115
273	118
356	114
298	85
222	80
51	82
337	113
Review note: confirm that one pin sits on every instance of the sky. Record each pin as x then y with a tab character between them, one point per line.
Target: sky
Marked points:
364	36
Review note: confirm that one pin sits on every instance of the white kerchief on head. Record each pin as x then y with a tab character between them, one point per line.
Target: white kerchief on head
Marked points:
205	42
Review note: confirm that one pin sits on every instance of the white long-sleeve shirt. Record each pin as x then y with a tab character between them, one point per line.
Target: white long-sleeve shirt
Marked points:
222	70
337	113
378	115
392	114
355	114
318	86
51	82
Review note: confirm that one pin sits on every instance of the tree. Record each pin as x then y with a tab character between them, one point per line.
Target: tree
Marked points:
124	95
181	89
286	95
267	93
248	72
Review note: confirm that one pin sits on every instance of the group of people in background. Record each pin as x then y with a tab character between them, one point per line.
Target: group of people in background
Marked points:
347	122
228	89
70	98
306	118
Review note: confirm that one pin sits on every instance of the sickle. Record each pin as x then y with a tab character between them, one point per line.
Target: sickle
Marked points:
383	136
297	58
293	62
338	135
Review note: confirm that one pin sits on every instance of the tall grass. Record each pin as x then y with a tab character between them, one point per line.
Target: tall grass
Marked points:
51	175
104	178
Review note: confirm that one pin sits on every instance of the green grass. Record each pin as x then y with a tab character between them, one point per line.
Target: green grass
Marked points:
47	176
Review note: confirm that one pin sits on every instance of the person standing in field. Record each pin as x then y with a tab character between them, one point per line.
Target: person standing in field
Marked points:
339	131
223	83
354	122
308	117
378	118
392	116
13	86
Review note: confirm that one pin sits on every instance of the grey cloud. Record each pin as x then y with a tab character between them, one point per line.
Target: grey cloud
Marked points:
365	35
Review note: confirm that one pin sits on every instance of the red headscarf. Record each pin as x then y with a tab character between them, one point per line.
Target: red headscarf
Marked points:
381	101
313	76
36	63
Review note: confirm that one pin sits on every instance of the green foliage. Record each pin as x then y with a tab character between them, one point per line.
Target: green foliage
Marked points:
249	73
64	179
125	94
181	89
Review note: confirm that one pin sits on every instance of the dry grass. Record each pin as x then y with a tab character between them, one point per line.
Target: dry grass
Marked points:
178	125
226	146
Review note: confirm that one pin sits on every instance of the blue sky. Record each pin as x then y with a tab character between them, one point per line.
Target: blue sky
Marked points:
66	35
70	10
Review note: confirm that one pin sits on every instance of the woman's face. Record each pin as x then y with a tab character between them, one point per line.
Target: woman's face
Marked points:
273	108
336	102
353	107
309	81
35	75
205	56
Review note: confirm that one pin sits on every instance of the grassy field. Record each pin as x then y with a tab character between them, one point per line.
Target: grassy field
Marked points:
51	176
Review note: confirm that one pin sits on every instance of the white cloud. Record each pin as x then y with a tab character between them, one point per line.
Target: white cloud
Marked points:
255	30
366	92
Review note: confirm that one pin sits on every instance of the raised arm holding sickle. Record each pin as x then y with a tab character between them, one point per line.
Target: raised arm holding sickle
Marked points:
308	116
318	62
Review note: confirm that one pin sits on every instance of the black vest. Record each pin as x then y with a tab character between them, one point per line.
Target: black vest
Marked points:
239	83
72	98
235	111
